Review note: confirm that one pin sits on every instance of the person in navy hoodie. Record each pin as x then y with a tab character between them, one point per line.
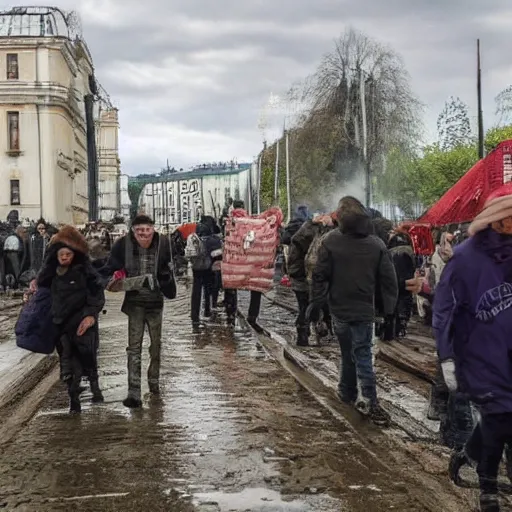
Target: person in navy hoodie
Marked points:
472	321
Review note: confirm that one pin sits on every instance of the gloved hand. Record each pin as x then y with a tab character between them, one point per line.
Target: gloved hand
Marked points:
313	313
450	379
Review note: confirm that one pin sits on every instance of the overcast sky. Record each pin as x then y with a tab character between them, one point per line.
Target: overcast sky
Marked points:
190	77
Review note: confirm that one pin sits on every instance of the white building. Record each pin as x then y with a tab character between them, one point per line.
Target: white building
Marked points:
125	200
47	94
109	168
182	197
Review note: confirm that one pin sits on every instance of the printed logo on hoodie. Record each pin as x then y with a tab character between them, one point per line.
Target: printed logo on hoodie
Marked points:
494	301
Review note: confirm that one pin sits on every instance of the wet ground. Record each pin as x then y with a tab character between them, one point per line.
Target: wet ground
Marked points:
232	431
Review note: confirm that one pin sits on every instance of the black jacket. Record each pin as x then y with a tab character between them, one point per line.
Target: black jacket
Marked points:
290	230
404	262
76	294
353	267
117	261
299	247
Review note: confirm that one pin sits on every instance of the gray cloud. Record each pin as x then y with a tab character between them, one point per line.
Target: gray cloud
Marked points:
191	76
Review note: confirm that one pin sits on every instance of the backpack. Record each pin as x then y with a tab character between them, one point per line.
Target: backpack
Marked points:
312	254
197	253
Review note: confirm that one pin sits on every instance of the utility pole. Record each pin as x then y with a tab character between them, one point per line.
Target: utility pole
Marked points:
362	86
288	192
276	176
480	112
258	197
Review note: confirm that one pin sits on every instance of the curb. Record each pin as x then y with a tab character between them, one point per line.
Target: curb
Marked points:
24	377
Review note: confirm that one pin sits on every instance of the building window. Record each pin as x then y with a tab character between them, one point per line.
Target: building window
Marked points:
12	66
15	192
13	126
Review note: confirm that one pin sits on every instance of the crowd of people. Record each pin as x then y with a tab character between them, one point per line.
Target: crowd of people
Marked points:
355	276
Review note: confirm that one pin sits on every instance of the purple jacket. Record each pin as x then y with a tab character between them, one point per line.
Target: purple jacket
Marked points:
473	319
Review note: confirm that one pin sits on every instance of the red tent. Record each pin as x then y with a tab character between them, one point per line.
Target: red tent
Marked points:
467	197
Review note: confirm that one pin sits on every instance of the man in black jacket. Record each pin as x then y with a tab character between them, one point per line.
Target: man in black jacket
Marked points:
142	252
354	265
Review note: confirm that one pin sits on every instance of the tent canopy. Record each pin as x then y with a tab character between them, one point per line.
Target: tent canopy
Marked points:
463	201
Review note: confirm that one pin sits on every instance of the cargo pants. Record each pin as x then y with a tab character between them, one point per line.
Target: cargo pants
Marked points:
138	318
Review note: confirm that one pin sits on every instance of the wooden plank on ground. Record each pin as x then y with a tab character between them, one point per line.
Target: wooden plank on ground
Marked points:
420	363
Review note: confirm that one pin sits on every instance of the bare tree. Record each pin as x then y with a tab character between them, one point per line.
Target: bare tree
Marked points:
392	109
360	76
504	106
453	125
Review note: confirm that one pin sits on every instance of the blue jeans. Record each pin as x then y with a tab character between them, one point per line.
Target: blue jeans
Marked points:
357	377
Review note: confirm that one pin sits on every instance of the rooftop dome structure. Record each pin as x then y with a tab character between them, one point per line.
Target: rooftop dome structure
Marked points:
38	21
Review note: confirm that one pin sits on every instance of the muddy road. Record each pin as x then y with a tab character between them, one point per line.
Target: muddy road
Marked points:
232	431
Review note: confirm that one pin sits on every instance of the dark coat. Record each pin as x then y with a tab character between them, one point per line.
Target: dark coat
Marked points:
404	262
212	242
354	266
290	230
117	261
77	294
299	247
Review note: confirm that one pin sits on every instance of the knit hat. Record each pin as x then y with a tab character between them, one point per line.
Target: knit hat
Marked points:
142	220
497	207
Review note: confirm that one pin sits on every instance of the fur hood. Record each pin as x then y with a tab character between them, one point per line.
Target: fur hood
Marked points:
70	237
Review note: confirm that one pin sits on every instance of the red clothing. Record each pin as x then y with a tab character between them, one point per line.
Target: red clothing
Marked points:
187	229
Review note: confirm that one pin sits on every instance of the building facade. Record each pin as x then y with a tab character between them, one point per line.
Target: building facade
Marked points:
184	196
48	158
109	165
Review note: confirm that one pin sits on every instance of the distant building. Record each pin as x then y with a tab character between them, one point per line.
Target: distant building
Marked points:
48	97
183	196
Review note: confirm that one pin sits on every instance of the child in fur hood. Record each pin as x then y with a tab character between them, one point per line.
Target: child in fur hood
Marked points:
77	300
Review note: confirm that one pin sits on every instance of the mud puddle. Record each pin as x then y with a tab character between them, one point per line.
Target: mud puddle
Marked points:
262	500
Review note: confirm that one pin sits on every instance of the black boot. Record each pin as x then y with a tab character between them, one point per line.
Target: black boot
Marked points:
97	395
489	503
132	403
458	459
74	396
253	322
400	328
302	337
74	403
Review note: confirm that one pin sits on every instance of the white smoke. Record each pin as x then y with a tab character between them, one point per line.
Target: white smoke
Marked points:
326	198
355	187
